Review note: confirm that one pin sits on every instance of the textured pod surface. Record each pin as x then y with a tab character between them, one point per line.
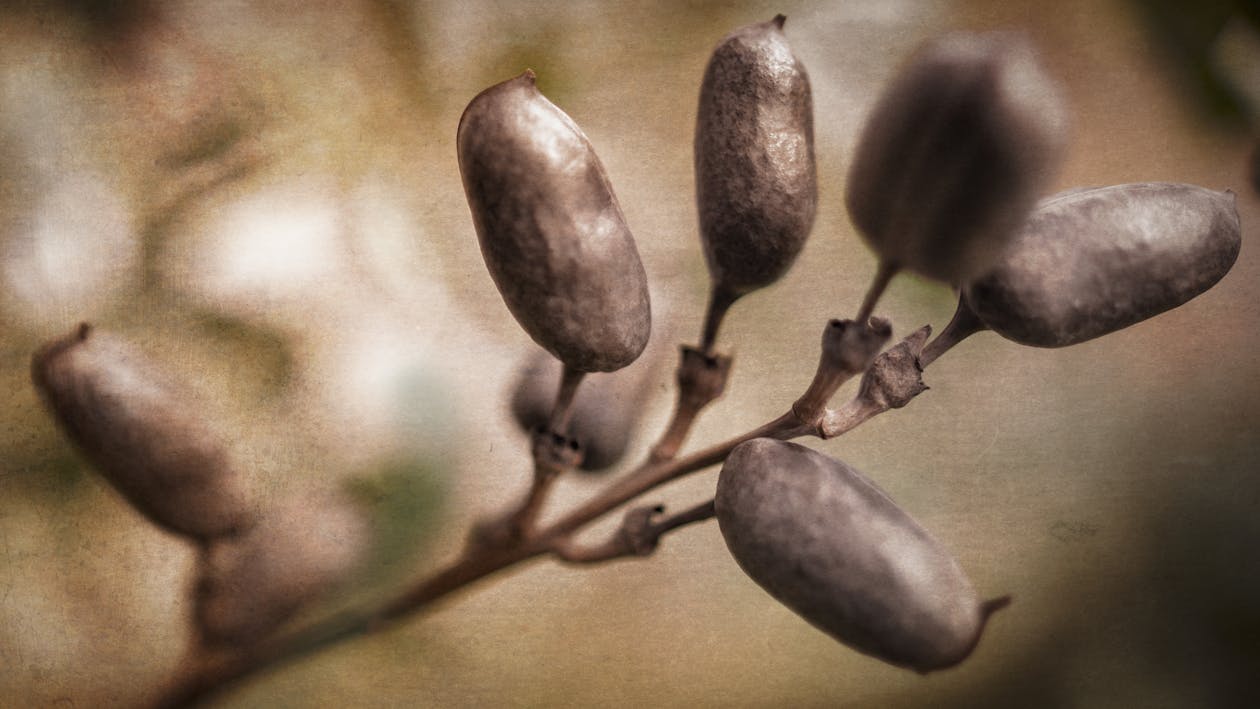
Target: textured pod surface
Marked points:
551	230
1093	261
955	155
144	431
756	186
835	549
606	409
253	583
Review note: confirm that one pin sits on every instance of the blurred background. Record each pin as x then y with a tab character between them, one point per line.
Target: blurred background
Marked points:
265	196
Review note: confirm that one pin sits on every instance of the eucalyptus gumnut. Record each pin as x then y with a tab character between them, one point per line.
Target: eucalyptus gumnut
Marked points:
143	430
1092	261
756	188
955	155
551	230
298	550
824	540
606	408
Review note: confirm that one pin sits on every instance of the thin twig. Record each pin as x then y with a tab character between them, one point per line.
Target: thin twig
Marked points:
701	379
639	535
964	324
720	300
563	408
883	276
207	675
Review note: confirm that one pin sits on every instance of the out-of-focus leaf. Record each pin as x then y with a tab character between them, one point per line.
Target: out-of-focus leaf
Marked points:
404	498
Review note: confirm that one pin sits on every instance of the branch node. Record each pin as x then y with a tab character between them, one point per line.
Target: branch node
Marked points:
701	380
847	350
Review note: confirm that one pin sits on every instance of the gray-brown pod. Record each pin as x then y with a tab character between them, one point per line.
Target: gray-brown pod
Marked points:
955	155
606	408
551	230
302	547
144	431
829	544
1093	261
756	186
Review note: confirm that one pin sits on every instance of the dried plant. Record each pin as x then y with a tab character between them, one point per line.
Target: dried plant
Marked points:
945	183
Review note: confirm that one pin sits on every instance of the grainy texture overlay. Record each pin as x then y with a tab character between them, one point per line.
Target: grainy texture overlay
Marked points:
265	200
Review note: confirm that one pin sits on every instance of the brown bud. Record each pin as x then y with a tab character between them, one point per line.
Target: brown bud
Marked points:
551	230
756	189
955	154
1093	261
144	431
829	544
253	583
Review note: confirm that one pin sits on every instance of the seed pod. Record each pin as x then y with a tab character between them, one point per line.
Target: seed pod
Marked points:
253	583
606	409
144	432
1093	261
955	154
831	546
551	230
756	189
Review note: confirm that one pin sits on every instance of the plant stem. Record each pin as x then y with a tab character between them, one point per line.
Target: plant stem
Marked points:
964	324
883	276
211	672
563	408
720	300
701	380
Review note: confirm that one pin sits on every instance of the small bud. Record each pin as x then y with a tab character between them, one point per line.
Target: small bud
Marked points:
551	231
252	584
144	432
829	544
1090	262
955	154
756	188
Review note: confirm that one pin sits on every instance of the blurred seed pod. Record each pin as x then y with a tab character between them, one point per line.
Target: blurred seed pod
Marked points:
551	230
756	186
829	544
144	431
253	583
955	155
606	409
1092	261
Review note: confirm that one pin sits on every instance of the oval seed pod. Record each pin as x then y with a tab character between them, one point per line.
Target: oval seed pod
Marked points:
1093	261
955	155
756	186
551	230
253	583
606	409
144	432
835	549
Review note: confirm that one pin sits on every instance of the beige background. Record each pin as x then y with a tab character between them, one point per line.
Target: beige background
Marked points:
265	195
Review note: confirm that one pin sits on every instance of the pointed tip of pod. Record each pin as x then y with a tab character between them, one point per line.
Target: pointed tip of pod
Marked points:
528	76
779	20
46	354
993	605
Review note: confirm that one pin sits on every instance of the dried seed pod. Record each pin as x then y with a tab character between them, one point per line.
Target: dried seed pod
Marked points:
606	409
756	188
955	155
143	431
835	549
1093	261
253	583
551	230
